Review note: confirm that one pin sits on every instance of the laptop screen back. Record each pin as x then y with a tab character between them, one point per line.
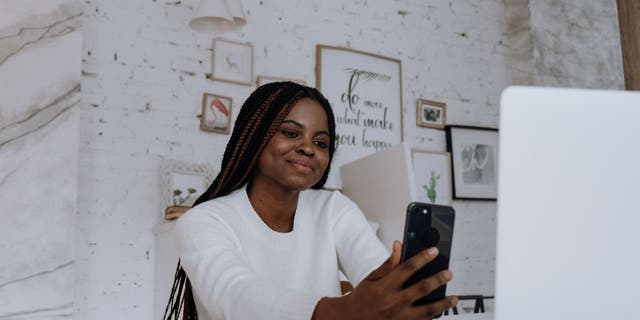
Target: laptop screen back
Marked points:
568	233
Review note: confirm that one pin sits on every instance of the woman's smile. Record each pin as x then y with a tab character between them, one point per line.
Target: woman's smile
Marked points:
302	166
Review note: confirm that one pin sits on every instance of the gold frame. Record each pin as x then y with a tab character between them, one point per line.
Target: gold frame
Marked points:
430	103
249	81
203	127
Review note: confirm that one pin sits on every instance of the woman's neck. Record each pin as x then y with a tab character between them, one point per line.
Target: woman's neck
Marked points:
275	205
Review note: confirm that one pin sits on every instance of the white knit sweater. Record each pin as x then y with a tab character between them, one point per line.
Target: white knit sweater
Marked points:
241	269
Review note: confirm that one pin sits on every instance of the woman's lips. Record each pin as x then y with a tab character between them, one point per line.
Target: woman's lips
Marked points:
302	166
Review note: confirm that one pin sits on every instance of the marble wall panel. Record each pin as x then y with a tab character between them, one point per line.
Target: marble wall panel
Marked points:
519	41
40	69
576	44
563	43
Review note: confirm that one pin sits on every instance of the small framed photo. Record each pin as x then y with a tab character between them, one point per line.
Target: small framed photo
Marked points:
232	62
474	157
431	114
432	172
182	183
216	113
268	79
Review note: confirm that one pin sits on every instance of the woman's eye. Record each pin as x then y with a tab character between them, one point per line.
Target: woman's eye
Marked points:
322	144
290	134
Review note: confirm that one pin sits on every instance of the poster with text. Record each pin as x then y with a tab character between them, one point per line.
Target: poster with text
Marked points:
365	91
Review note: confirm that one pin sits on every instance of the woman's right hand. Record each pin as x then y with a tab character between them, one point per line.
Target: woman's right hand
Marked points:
381	296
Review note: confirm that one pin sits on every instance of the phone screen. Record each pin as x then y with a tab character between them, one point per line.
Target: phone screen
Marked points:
426	226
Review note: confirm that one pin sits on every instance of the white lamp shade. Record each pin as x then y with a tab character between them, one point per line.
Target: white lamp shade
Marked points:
218	16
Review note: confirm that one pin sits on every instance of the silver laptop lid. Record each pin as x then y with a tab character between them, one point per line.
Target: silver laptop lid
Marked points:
568	234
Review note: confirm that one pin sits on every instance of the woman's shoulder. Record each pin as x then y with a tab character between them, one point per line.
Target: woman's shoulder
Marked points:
218	209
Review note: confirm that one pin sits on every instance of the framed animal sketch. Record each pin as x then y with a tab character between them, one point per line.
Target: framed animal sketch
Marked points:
431	114
474	155
216	113
232	62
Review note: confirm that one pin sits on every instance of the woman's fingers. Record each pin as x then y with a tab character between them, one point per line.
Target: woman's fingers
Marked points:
426	286
389	264
409	267
396	254
433	309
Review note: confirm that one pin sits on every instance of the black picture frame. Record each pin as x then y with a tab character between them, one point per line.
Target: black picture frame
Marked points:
474	162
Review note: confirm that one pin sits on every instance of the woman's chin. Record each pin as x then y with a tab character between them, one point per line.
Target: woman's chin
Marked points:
301	184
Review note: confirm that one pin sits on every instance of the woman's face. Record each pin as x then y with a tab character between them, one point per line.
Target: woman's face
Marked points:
298	154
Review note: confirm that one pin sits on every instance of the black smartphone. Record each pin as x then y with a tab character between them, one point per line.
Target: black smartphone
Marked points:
426	226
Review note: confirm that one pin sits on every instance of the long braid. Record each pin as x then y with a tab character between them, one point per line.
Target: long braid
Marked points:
257	122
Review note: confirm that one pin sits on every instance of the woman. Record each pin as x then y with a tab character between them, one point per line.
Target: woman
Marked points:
263	242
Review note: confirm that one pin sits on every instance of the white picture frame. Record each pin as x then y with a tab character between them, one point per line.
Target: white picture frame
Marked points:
232	62
216	113
474	157
432	173
365	90
182	176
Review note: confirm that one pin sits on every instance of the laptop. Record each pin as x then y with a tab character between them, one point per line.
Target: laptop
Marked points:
568	226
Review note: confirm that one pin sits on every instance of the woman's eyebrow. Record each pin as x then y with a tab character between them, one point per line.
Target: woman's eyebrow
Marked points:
298	124
323	132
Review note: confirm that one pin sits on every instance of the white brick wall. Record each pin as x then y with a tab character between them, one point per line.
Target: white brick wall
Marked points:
145	72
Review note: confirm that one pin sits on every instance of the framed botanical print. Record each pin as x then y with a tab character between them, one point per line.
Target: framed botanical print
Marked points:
182	183
432	173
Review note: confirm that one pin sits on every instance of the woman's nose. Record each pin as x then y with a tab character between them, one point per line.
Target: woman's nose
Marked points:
305	147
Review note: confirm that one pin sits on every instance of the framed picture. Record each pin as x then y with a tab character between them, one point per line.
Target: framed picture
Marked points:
432	172
268	79
232	62
431	114
474	155
365	90
216	113
182	183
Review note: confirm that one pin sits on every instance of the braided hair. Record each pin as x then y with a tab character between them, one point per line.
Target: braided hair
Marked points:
258	121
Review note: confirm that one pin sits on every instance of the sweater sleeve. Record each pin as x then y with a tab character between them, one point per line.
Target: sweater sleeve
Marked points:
359	249
222	280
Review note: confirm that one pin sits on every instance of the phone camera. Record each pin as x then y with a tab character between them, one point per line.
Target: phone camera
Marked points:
421	210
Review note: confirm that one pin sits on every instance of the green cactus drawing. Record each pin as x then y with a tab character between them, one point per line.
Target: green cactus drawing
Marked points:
431	189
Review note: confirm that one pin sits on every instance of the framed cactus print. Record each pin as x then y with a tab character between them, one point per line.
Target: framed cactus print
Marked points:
432	173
